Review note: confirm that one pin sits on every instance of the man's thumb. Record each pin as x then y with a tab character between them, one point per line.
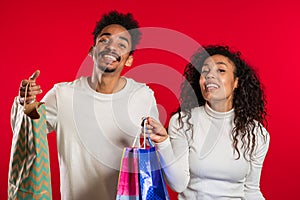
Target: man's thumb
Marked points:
35	75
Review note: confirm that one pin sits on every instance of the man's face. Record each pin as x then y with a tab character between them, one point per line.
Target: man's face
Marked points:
112	49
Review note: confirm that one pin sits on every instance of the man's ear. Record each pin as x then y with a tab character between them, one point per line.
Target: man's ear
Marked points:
129	61
91	50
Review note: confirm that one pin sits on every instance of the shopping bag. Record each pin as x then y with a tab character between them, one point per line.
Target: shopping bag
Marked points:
128	184
29	167
151	179
141	176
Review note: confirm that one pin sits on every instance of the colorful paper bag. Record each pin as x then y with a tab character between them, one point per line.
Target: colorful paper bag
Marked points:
151	179
128	184
141	176
29	169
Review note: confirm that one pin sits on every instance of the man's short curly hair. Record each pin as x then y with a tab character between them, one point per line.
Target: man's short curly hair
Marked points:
125	20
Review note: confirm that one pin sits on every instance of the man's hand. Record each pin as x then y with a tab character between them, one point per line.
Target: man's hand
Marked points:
32	89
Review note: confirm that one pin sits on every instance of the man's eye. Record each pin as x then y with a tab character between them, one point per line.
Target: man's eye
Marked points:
222	70
123	46
103	40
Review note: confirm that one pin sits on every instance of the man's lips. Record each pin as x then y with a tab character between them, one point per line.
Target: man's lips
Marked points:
110	56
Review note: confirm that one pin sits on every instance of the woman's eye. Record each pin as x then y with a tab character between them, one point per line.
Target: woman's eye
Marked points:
203	72
222	70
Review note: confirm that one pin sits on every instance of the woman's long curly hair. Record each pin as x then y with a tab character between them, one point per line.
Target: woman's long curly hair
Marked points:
248	99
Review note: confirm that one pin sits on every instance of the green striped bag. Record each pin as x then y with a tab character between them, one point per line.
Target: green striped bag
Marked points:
29	169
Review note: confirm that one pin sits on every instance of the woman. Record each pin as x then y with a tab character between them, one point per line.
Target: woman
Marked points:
217	141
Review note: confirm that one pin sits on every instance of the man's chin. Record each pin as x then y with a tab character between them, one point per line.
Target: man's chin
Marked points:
106	69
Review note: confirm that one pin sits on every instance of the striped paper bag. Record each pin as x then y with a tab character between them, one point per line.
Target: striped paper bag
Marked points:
29	169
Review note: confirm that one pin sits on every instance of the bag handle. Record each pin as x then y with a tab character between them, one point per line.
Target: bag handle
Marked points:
144	123
31	109
26	90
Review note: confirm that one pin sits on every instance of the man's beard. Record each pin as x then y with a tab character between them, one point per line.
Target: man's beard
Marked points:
106	69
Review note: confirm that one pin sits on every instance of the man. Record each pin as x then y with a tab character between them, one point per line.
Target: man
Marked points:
96	117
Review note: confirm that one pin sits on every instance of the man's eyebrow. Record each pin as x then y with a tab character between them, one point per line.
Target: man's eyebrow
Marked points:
124	38
105	34
121	37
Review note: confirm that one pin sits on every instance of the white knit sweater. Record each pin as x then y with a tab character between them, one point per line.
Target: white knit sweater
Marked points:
203	165
92	129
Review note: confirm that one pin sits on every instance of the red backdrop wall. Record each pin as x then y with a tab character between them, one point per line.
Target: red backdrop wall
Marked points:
55	36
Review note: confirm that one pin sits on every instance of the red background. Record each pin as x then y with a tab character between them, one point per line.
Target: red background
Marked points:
55	36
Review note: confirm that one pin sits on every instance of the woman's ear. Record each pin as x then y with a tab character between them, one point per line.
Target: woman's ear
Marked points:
91	50
129	61
236	83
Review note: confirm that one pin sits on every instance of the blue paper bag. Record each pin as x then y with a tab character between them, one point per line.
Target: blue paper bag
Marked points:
152	184
140	174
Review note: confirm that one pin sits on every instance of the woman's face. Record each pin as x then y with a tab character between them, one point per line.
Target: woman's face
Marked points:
217	82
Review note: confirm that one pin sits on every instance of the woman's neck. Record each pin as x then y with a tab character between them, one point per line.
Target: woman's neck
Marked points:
220	106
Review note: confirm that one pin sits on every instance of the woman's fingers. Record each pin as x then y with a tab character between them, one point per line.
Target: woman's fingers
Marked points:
156	131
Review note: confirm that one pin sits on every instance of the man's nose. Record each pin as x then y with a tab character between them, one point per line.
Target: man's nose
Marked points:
111	46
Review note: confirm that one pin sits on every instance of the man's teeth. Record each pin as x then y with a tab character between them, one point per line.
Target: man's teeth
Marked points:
212	85
110	57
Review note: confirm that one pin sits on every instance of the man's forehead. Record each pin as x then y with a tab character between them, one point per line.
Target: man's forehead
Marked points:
115	30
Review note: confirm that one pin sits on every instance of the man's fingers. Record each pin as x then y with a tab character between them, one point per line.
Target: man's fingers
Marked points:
30	92
24	83
35	75
32	79
30	99
29	88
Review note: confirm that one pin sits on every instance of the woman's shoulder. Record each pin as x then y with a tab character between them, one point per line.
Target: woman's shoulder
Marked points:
194	113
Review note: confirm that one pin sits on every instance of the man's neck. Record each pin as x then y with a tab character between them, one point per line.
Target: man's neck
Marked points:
107	84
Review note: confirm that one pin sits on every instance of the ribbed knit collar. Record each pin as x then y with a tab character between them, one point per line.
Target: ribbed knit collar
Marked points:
218	115
108	96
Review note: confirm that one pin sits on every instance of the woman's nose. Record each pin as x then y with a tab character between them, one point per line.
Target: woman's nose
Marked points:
210	74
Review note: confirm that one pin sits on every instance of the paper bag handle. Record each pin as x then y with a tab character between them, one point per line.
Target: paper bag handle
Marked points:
144	121
31	109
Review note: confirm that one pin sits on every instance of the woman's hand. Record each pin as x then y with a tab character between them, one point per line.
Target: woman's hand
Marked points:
156	130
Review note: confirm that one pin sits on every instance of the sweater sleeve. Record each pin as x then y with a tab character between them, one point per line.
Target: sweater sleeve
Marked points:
252	186
16	115
153	108
50	100
174	153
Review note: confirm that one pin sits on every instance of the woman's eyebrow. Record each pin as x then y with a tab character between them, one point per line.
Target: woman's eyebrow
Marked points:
221	63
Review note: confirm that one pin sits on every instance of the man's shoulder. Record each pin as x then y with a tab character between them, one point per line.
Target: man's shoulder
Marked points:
78	81
140	88
136	85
